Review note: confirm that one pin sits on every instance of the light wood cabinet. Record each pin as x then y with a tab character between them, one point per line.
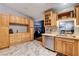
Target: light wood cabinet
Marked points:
19	37
31	29
66	46
4	20
17	20
31	23
31	33
12	39
4	37
23	38
58	45
50	18
27	36
12	19
26	21
22	20
77	15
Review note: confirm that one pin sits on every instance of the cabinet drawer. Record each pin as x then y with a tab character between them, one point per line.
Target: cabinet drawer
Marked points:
68	40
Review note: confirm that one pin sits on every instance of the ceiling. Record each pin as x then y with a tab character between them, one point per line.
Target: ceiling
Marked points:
35	10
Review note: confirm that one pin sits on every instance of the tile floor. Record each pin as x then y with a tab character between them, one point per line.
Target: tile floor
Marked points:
32	48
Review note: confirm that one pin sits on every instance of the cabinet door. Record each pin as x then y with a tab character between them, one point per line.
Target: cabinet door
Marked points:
4	20
17	19
68	48
53	19
28	37
77	15
31	23
58	45
23	37
23	20
32	30
4	37
12	38
26	21
31	33
12	19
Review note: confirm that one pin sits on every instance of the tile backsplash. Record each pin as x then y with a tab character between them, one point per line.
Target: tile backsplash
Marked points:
76	31
56	30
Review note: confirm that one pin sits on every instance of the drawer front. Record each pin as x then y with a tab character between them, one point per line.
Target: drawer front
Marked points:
68	40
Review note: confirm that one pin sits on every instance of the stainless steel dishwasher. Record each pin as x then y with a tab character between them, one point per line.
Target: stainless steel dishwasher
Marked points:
49	42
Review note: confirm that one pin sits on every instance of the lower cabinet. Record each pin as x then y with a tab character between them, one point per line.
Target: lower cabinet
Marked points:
58	45
19	37
66	46
4	37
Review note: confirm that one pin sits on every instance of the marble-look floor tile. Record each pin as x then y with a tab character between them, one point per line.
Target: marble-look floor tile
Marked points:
32	48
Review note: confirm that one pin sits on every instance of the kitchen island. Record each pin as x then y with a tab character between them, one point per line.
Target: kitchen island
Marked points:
65	44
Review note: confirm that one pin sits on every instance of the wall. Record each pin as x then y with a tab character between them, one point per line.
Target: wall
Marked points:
5	9
19	28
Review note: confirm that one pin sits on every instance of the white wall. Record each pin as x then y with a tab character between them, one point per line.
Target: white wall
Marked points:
19	28
5	9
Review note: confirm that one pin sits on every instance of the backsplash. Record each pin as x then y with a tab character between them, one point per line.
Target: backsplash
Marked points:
76	31
56	30
17	28
50	29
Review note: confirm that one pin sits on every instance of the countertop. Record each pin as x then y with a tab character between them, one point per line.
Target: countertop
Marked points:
70	36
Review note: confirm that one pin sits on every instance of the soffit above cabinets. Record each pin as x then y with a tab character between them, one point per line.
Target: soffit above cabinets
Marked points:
35	10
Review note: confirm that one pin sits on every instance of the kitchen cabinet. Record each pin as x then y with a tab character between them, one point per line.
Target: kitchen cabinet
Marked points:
12	19
66	15
31	33
27	36
32	37
31	23
26	21
22	20
4	20
19	37
32	30
4	37
66	46
50	18
58	45
23	38
12	39
17	19
77	15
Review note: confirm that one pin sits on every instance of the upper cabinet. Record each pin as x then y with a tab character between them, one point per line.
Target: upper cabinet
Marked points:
50	18
4	20
31	23
12	19
77	14
18	20
65	15
26	21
